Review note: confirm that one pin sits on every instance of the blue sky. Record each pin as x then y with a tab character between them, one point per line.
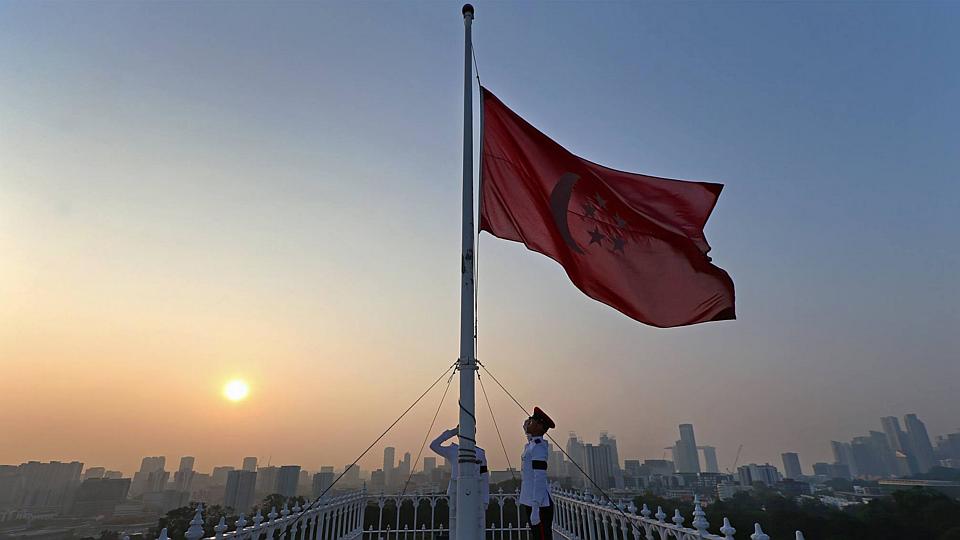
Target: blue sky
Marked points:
273	189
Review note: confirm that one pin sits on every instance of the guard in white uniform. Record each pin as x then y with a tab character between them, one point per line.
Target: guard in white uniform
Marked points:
534	487
450	453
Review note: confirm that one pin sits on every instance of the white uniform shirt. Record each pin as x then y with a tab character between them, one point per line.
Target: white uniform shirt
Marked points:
534	486
450	452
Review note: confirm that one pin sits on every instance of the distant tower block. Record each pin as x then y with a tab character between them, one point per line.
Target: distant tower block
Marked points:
710	459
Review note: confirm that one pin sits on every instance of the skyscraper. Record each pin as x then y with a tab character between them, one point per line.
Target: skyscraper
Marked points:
94	472
219	475
287	480
919	442
843	455
710	459
183	478
791	465
48	487
765	474
322	480
250	464
429	464
599	464
389	458
403	469
685	451
151	477
611	442
266	480
240	490
577	453
351	475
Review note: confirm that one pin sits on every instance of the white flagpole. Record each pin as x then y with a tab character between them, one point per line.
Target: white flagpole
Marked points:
468	496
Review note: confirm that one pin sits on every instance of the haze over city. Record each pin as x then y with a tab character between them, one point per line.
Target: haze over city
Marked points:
190	197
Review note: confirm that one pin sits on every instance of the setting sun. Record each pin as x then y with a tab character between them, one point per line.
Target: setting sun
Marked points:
236	390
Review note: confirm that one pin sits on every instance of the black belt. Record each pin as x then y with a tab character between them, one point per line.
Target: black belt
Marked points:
483	469
539	465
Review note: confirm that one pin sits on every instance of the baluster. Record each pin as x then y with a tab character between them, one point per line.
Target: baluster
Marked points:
416	507
295	526
677	518
399	502
799	536
500	499
220	528
380	502
727	531
195	532
163	534
758	533
700	522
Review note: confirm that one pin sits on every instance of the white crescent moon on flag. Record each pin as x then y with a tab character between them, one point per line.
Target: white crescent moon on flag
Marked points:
559	201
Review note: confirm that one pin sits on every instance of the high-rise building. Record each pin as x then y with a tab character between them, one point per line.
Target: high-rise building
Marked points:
919	442
267	480
187	463
765	474
94	472
661	467
843	455
351	475
322	480
791	465
250	464
288	478
183	477
240	492
556	467
113	475
611	442
429	464
99	496
48	487
685	451
577	452
905	462
599	465
710	459
403	470
389	459
377	480
151	477
219	475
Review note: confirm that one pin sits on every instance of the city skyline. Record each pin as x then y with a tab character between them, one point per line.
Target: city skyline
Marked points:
202	208
705	457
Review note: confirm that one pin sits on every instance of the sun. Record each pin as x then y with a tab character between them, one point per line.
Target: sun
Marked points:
236	390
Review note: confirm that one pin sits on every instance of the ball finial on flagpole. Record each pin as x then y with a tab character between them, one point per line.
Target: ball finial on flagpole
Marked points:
467	10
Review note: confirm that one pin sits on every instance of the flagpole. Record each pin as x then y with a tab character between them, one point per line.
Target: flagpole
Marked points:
468	496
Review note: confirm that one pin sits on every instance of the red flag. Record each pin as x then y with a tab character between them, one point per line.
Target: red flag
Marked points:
631	241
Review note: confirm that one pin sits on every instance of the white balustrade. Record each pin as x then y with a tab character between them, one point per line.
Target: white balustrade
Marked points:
577	516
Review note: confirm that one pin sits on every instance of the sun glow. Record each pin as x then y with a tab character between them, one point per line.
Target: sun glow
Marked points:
236	390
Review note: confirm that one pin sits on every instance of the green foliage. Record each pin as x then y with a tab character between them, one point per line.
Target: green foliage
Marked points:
177	521
915	513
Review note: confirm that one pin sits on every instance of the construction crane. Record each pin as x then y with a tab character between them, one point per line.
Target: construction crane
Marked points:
735	461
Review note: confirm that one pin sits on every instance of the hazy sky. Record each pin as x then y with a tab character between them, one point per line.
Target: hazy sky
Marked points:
195	192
